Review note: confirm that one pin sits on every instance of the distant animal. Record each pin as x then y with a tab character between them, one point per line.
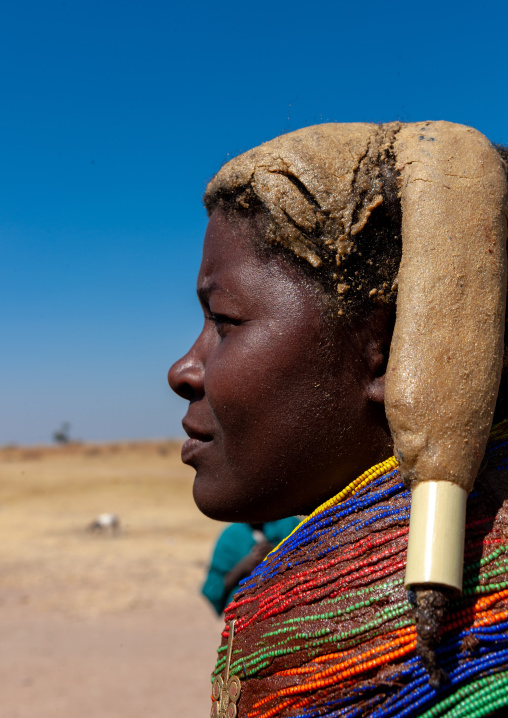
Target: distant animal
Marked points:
105	523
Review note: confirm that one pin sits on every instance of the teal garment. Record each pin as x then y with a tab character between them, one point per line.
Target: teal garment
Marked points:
233	544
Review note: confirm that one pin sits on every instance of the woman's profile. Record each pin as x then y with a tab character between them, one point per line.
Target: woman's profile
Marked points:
322	354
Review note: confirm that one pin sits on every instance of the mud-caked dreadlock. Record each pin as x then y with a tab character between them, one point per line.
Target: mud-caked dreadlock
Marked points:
338	217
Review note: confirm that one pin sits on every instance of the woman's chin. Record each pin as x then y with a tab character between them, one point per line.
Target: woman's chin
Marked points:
220	503
213	501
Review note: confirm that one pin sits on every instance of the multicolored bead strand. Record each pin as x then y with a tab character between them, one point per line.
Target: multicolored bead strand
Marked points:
324	626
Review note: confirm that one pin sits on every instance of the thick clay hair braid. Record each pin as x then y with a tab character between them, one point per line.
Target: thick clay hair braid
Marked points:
329	199
339	221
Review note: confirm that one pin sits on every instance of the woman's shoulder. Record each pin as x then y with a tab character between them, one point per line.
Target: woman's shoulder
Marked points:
326	617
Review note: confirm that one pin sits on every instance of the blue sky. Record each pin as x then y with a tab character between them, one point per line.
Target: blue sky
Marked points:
113	117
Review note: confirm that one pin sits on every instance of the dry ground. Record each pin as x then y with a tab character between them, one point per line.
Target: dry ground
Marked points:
99	625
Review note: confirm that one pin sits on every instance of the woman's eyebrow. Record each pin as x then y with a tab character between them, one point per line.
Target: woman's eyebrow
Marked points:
206	290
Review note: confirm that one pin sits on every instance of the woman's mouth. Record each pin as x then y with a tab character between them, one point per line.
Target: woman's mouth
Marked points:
196	442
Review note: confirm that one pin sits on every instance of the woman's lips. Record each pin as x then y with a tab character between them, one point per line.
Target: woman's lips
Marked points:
196	442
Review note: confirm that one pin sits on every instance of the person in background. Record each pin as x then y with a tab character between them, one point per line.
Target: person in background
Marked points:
239	549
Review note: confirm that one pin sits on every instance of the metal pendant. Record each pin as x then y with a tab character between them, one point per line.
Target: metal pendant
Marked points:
225	693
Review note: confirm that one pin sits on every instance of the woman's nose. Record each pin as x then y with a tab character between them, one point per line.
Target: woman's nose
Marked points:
186	376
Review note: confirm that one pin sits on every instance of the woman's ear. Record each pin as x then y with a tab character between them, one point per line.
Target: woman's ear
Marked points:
377	352
376	387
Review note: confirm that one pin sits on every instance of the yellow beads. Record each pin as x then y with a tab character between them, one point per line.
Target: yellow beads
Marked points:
370	475
373	473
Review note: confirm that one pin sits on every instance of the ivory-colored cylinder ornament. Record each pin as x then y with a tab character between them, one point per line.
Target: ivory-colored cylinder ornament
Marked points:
435	553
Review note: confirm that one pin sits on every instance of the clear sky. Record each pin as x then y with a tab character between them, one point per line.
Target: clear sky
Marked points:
113	116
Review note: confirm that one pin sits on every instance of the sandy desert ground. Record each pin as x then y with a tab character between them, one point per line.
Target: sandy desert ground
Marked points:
96	624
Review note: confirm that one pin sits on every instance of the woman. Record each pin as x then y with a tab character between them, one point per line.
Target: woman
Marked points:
286	391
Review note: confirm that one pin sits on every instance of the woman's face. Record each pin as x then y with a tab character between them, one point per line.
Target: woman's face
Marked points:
279	417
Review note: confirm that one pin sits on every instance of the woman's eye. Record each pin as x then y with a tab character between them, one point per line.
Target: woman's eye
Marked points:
222	322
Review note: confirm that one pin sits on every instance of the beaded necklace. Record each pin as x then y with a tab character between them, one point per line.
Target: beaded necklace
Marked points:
323	626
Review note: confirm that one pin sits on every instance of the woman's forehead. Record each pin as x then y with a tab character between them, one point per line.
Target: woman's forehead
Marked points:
232	268
227	247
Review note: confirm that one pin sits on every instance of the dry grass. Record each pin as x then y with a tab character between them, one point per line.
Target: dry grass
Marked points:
109	626
48	497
